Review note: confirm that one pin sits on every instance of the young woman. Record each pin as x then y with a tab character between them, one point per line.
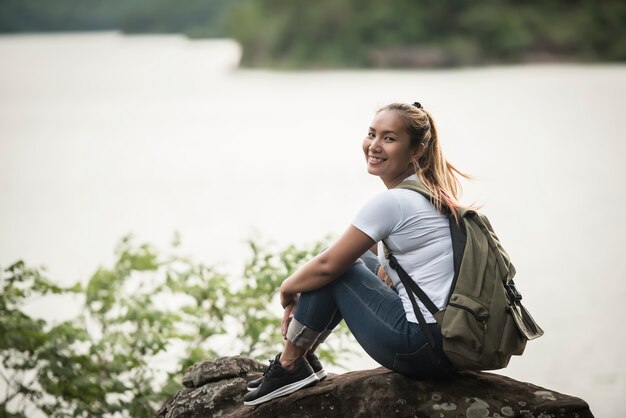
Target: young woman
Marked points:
347	282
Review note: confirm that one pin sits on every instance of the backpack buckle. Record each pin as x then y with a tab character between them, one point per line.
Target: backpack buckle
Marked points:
512	291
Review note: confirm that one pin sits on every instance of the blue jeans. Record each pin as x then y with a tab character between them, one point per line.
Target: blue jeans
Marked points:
375	316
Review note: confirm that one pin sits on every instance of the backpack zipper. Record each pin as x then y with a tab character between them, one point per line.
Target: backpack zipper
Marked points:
466	309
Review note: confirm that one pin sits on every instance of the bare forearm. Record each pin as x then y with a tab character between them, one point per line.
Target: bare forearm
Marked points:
314	274
328	265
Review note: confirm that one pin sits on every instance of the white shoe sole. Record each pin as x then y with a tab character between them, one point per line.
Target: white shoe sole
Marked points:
321	375
285	390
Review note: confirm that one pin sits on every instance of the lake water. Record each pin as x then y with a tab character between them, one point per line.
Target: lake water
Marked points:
103	134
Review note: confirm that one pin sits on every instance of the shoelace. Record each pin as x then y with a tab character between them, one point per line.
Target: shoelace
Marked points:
267	371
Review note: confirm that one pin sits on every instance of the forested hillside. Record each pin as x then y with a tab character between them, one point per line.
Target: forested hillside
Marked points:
355	33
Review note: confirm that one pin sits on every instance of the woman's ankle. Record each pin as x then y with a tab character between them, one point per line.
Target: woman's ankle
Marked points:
291	353
287	362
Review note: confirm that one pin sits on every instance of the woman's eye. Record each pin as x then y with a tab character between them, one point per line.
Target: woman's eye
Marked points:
370	135
389	139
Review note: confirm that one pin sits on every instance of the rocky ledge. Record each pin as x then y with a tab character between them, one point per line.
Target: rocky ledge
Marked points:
216	388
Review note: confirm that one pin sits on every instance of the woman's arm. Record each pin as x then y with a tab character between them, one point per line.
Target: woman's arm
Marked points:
328	265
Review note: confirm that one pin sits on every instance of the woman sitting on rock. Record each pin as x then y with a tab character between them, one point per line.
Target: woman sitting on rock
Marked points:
347	281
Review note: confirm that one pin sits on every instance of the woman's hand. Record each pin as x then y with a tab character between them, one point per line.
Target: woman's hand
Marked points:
287	315
287	299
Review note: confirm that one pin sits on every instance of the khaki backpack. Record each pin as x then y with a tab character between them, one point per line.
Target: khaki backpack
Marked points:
483	323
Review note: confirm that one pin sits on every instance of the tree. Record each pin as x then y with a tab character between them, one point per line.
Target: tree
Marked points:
147	310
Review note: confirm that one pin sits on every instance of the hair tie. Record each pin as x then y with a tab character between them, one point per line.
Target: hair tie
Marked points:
417	104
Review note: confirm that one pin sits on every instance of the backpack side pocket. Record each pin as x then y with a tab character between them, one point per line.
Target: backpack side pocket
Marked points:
463	330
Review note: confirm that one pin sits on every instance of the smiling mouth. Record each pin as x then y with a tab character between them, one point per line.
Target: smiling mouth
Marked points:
375	159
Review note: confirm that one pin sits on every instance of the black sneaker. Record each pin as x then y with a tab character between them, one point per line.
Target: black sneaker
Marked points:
311	358
278	381
316	366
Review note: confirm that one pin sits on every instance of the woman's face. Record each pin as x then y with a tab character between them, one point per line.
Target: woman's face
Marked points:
387	149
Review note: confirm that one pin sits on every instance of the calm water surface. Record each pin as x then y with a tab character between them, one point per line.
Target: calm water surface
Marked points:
102	135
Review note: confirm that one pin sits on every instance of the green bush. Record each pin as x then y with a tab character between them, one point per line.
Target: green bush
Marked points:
146	310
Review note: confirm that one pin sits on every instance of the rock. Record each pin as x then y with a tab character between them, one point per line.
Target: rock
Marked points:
221	369
211	387
216	389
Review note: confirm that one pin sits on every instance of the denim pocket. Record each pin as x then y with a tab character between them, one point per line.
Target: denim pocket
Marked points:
420	364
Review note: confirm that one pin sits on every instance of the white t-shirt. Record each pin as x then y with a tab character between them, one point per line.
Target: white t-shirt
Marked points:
419	238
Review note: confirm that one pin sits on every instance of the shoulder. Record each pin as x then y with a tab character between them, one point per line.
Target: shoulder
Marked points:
409	200
389	200
397	200
379	216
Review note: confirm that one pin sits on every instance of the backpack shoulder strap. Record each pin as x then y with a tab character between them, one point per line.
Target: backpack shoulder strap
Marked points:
457	229
409	283
413	288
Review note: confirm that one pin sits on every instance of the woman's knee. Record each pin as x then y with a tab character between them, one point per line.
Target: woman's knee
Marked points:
356	273
371	261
